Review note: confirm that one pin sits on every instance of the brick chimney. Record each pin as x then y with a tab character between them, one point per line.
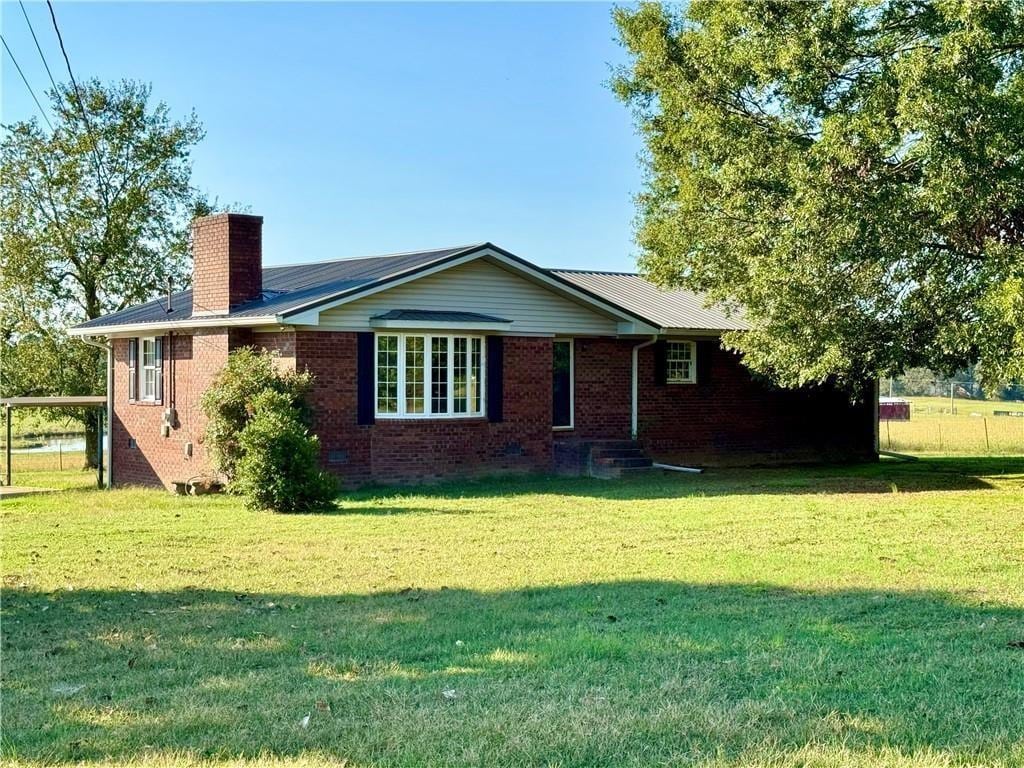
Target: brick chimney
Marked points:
227	269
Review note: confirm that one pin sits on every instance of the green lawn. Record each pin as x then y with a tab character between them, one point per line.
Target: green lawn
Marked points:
860	616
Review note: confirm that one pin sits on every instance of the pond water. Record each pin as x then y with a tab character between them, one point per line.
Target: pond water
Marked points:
51	444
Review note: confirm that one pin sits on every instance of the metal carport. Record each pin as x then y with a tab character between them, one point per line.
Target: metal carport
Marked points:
72	401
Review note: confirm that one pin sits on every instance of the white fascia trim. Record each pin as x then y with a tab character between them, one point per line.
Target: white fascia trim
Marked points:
637	329
192	322
354	328
435	325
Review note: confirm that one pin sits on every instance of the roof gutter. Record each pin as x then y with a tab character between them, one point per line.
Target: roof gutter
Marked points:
634	403
192	322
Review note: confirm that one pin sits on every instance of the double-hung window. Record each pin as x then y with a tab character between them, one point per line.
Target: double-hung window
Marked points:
145	369
429	375
680	363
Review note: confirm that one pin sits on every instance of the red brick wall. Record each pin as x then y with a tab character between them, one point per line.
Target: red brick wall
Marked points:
425	449
227	261
190	363
731	418
603	369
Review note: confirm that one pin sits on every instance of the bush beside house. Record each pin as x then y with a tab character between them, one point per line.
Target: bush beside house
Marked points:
258	434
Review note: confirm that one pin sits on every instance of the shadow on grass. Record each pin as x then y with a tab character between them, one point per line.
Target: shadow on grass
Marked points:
612	674
886	476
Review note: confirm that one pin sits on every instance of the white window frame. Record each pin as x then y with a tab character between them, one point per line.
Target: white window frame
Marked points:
428	345
692	378
144	396
572	385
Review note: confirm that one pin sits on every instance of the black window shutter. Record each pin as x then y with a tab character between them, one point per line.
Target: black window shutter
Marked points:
705	350
133	372
661	362
495	378
365	375
158	353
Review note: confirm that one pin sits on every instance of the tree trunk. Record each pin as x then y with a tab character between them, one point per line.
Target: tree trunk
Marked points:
92	311
91	440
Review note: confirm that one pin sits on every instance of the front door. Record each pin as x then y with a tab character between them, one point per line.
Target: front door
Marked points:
562	385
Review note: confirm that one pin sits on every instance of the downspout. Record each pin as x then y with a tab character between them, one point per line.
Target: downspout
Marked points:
635	399
109	348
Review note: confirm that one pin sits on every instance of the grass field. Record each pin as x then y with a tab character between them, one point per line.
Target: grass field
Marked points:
858	616
972	430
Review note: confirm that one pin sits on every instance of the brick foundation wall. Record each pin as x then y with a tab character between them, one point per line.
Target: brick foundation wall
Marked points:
412	450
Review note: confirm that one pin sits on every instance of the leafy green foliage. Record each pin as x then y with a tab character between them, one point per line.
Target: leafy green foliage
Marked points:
847	174
94	217
257	433
278	464
228	402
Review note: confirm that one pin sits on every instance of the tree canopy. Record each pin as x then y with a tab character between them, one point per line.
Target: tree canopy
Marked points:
94	217
848	174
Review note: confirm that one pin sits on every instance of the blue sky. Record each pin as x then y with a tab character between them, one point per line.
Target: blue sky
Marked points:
369	128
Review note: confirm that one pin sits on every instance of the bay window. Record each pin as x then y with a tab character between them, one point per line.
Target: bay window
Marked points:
429	375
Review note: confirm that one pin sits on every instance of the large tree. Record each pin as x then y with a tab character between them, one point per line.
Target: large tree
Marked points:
849	174
94	217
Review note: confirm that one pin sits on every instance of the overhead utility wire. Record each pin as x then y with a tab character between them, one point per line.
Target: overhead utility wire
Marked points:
101	182
42	56
25	80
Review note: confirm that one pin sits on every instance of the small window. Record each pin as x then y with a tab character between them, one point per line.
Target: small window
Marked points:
680	365
423	375
150	370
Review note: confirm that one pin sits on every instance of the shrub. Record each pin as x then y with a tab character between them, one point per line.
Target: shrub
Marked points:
258	434
278	461
228	402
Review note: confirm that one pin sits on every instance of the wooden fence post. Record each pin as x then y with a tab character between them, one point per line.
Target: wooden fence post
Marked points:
985	422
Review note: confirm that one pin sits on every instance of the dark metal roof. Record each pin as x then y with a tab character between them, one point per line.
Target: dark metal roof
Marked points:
440	316
290	289
674	308
286	288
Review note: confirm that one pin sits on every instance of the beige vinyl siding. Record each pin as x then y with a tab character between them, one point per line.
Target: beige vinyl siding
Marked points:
483	287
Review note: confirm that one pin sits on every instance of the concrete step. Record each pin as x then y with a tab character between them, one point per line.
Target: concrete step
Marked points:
604	472
623	462
615	453
616	458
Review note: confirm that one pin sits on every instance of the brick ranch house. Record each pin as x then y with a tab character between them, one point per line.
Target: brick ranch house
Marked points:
458	361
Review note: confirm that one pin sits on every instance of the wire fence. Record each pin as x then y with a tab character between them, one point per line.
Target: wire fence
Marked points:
57	460
964	427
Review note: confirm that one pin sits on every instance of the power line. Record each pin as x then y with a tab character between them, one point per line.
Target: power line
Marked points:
81	105
39	48
25	80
